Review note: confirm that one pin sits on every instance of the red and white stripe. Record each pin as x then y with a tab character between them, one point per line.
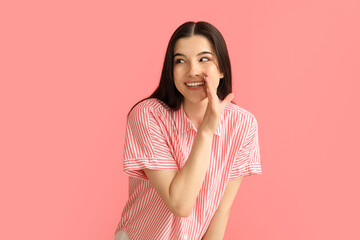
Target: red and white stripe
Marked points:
159	138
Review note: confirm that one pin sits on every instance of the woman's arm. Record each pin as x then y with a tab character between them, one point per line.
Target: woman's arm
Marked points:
217	227
179	190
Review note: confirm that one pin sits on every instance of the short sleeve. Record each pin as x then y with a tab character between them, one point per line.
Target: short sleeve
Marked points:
247	160
145	144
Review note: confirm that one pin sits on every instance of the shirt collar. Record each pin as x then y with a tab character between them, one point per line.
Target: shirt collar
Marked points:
184	124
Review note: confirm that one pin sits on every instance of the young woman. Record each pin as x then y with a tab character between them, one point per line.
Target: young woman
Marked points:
187	146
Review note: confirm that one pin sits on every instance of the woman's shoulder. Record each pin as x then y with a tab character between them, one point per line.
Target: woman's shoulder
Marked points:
238	111
149	105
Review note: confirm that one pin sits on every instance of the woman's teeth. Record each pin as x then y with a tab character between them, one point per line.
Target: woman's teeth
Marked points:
195	84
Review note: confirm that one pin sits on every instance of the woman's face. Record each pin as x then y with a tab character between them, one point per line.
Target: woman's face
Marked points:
193	56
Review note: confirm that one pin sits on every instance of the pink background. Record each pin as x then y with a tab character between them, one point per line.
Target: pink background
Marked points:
71	70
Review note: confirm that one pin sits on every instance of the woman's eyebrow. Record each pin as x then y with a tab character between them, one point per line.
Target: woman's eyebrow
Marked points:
203	52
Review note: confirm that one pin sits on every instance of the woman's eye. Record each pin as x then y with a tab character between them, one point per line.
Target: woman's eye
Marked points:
178	60
206	59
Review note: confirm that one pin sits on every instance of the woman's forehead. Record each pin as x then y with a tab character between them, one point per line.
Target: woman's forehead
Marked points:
193	45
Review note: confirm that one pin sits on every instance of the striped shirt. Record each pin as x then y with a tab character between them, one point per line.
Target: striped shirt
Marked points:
160	138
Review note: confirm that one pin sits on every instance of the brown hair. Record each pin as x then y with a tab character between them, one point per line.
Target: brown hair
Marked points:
166	90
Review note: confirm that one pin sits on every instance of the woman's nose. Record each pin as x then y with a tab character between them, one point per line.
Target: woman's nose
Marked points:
195	70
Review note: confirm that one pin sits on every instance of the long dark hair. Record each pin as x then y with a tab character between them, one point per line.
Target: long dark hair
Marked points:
166	90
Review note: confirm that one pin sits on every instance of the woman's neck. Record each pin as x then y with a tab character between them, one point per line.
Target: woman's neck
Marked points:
195	111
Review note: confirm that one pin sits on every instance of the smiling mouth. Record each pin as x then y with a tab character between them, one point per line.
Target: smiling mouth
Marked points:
196	84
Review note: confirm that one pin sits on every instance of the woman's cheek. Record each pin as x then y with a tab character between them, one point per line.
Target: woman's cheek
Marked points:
211	69
178	69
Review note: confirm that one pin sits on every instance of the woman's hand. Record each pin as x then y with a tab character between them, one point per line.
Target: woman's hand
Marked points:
214	108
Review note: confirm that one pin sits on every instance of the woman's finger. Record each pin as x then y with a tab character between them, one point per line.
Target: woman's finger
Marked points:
206	86
209	85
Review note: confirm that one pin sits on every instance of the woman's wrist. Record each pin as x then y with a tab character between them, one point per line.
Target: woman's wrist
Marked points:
204	132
